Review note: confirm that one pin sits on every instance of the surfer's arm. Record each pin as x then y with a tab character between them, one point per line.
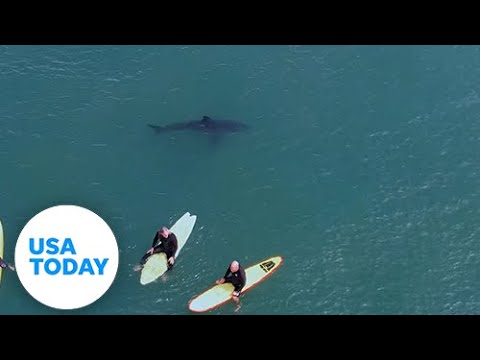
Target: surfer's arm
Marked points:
174	244
239	287
222	279
155	239
227	273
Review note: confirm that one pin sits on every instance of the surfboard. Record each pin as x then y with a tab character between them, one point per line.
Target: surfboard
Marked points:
217	295
156	264
1	248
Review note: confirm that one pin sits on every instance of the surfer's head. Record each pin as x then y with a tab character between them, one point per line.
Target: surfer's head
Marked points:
234	266
164	232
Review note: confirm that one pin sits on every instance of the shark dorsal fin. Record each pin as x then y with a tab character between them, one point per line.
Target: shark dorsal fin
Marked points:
205	119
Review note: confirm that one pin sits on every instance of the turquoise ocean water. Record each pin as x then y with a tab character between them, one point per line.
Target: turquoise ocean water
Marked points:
361	170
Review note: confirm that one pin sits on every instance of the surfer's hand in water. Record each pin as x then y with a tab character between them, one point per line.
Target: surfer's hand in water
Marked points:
137	268
238	307
171	260
220	281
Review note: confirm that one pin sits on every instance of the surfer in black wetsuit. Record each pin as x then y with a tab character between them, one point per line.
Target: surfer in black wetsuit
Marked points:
235	275
168	245
4	264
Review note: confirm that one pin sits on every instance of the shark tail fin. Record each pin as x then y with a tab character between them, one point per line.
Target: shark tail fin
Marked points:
156	128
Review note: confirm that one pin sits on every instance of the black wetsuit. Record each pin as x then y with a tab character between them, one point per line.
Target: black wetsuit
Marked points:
169	246
238	278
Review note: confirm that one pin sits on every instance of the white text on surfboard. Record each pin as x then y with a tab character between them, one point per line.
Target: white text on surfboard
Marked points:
64	266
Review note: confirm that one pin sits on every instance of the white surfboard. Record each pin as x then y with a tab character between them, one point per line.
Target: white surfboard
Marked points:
156	264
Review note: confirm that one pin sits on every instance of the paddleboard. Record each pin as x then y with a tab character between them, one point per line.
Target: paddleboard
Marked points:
218	295
1	248
156	264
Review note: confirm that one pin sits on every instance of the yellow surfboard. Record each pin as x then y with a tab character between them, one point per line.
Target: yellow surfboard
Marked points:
1	247
218	295
156	264
155	267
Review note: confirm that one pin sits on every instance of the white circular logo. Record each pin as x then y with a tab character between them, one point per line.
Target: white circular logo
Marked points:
66	257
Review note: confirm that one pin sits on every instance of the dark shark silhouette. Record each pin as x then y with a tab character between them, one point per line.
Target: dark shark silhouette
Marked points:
206	125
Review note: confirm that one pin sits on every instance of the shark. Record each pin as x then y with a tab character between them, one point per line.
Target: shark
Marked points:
206	125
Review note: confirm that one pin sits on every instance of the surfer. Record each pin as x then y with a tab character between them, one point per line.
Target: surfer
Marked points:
168	245
4	264
235	275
